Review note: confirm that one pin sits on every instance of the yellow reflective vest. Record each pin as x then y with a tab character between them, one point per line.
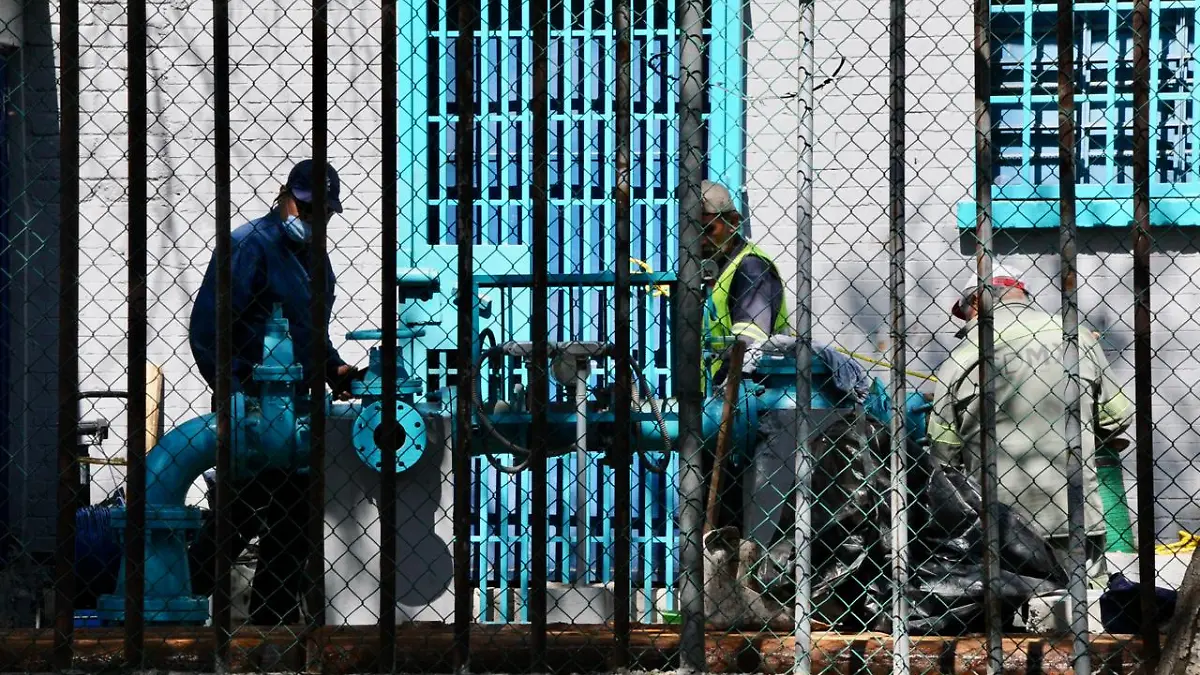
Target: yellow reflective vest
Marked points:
717	321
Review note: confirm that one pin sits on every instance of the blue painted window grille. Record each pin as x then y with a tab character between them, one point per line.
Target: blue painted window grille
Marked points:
582	173
1024	113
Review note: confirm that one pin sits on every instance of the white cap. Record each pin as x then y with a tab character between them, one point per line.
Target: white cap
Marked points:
1002	277
716	198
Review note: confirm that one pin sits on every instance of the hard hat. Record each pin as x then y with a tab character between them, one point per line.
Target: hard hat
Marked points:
1002	277
716	198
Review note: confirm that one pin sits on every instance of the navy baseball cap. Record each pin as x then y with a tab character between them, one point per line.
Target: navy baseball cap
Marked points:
300	184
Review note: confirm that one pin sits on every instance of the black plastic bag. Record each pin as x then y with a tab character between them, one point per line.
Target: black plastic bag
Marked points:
851	555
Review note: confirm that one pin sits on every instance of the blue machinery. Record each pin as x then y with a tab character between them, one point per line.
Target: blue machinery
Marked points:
271	430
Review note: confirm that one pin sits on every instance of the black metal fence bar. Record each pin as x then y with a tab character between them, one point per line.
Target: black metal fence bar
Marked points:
318	278
135	469
623	364
539	382
464	159
1142	366
388	424
68	335
222	602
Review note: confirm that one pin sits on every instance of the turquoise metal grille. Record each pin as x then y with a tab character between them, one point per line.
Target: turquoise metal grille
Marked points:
1025	114
582	175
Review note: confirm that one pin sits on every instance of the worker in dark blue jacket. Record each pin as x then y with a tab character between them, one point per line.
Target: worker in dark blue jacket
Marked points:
271	259
270	265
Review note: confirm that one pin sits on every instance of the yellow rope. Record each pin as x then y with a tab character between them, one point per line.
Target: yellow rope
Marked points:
885	364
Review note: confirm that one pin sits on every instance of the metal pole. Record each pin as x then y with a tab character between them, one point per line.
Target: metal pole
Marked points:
1142	367
388	347
1077	585
539	382
689	17
987	410
899	460
135	469
464	163
581	491
802	534
68	335
223	589
623	395
319	273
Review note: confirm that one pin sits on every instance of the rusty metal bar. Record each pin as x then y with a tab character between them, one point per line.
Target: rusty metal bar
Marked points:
1077	584
222	601
68	334
987	409
135	469
686	331
388	348
901	643
623	363
320	301
464	171
539	383
1142	366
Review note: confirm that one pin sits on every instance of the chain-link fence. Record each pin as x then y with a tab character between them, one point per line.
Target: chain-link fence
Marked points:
673	361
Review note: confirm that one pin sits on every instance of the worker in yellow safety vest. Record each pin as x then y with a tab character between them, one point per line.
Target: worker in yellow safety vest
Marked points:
746	297
746	301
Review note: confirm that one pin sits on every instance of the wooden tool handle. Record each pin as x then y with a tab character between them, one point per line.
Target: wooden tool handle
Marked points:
733	382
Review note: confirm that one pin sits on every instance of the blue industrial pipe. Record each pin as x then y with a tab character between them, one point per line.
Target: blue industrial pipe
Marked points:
268	432
175	463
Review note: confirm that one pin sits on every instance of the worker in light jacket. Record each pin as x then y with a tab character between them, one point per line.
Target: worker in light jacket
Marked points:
1030	412
270	263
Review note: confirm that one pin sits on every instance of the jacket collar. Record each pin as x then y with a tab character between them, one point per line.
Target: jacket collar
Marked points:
1006	305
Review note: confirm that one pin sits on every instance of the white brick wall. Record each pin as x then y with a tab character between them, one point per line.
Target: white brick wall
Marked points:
271	89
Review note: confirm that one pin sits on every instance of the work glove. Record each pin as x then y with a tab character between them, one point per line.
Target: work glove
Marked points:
754	353
340	383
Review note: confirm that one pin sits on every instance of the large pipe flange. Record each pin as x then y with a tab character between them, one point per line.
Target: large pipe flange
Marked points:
410	441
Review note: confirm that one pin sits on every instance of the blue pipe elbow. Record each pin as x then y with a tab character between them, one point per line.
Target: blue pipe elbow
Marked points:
171	468
180	457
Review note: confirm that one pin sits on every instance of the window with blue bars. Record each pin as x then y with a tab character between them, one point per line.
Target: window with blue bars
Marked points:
582	175
1024	111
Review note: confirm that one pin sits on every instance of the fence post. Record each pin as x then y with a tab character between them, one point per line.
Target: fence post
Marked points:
68	335
899	459
388	347
464	161
1142	366
1077	584
687	334
622	361
223	591
802	533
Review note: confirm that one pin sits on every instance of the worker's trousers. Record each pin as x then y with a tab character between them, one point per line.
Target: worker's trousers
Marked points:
273	506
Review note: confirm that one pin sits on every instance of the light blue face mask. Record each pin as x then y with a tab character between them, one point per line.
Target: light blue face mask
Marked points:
297	230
